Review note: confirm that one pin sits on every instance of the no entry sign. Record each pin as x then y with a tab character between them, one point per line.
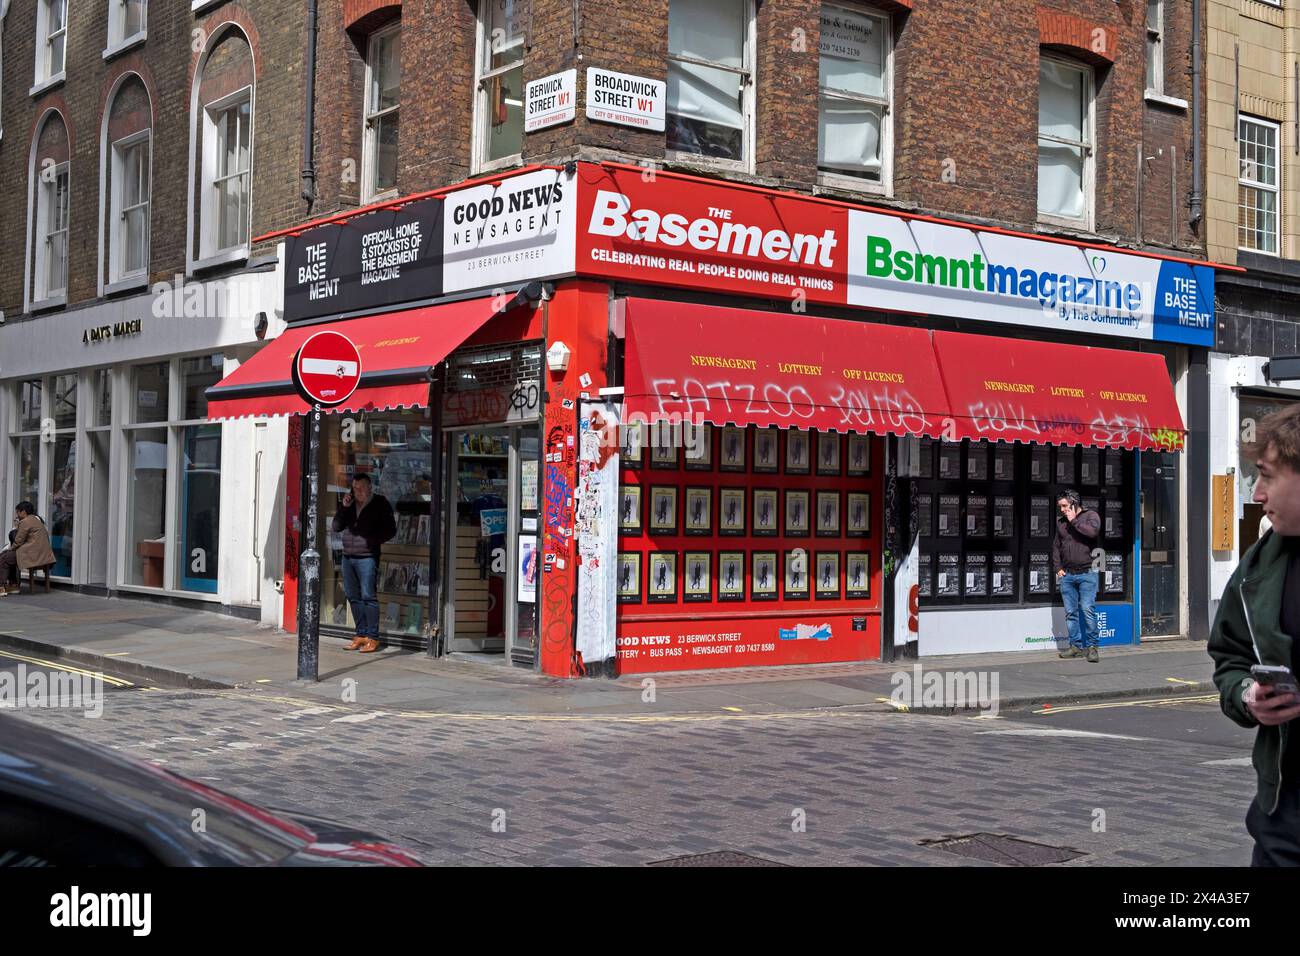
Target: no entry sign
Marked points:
327	368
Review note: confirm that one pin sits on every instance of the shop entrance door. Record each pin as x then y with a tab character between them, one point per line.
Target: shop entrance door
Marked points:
491	474
1161	578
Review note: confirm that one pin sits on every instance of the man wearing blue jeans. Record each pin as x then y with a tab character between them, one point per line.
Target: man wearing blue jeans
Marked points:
366	522
1076	537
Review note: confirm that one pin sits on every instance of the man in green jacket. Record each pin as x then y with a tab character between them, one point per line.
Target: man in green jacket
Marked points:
1259	623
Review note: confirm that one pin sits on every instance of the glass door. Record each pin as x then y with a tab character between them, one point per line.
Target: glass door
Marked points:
479	552
1161	584
525	533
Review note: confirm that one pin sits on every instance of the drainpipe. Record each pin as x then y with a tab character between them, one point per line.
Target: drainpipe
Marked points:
309	113
1197	201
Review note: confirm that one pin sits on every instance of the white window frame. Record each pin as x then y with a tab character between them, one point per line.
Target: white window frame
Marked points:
46	192
482	82
1089	144
119	278
842	180
1157	36
118	41
1275	188
748	84
370	138
209	232
45	76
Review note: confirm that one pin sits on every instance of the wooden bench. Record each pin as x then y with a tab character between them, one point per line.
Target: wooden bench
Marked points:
31	576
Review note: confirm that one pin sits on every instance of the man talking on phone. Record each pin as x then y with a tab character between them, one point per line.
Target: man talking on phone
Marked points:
366	522
1255	640
1076	536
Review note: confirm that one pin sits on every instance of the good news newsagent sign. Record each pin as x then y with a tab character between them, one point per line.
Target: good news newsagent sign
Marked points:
777	245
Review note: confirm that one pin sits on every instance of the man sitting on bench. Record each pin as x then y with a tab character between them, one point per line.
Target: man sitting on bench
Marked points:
29	549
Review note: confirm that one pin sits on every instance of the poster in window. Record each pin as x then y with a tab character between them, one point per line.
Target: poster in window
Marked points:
762	576
796	575
697	583
828	453
1040	463
949	459
765	512
926	458
1111	467
1041	524
1065	466
698	442
663	446
828	514
1004	461
1004	576
1091	504
859	457
765	454
796	514
629	510
797	452
977	516
859	515
925	515
629	577
1114	522
857	575
1004	516
662	588
977	461
633	452
731	456
949	516
1040	572
925	575
663	509
731	511
976	582
948	579
731	576
699	511
827	571
1090	466
1114	580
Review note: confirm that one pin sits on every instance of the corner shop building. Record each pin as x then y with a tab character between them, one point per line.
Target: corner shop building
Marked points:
674	423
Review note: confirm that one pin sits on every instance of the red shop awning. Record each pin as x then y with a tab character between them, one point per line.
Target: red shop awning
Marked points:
397	351
1027	391
742	367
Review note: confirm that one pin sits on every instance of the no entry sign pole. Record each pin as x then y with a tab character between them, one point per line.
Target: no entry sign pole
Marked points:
326	371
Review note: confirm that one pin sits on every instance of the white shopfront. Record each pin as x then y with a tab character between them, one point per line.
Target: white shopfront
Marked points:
103	427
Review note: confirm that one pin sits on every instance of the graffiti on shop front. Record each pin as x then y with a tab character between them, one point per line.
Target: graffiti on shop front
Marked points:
1168	439
999	417
557	511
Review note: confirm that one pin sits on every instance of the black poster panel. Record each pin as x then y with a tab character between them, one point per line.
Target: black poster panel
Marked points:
380	259
1114	577
949	460
1004	580
1040	463
1004	462
949	578
1114	523
925	574
1004	517
949	516
1040	517
1040	572
977	575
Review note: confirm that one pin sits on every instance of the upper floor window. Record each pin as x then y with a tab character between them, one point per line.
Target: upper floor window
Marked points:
51	38
223	138
499	100
383	86
1155	46
710	78
229	130
853	135
129	238
1065	142
52	233
126	20
1257	185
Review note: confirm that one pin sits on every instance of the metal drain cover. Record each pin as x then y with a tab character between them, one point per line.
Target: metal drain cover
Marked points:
720	858
1000	848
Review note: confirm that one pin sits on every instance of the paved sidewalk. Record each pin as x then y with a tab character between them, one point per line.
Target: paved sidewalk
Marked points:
172	647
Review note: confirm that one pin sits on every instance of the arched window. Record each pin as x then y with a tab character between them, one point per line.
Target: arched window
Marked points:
127	144
50	178
222	132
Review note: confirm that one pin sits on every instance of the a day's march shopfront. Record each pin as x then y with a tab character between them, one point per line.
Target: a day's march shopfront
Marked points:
735	426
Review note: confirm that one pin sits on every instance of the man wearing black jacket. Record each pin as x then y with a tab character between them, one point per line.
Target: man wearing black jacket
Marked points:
366	522
1076	536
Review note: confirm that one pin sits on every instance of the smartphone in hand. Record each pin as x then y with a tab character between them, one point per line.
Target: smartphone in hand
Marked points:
1280	679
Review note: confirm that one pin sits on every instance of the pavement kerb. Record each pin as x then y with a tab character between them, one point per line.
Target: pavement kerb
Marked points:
141	671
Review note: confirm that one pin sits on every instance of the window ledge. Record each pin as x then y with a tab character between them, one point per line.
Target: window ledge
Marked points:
851	184
239	254
1081	228
198	6
53	302
708	165
505	162
122	46
1153	97
127	285
1259	252
44	86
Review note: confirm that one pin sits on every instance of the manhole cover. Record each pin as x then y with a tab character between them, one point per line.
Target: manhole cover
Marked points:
999	848
721	858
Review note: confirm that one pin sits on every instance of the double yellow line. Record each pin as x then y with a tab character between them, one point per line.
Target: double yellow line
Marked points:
58	665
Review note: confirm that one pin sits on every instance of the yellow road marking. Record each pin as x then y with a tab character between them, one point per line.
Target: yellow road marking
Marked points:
1179	680
1148	702
734	710
118	654
116	682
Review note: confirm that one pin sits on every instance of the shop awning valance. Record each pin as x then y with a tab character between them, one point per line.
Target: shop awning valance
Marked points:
1043	392
397	351
744	367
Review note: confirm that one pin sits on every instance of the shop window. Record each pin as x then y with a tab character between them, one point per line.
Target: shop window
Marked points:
1257	186
710	79
129	221
126	22
854	119
51	40
52	233
60	521
1155	46
149	389
30	395
499	97
383	87
147	507
26	443
102	384
1065	161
